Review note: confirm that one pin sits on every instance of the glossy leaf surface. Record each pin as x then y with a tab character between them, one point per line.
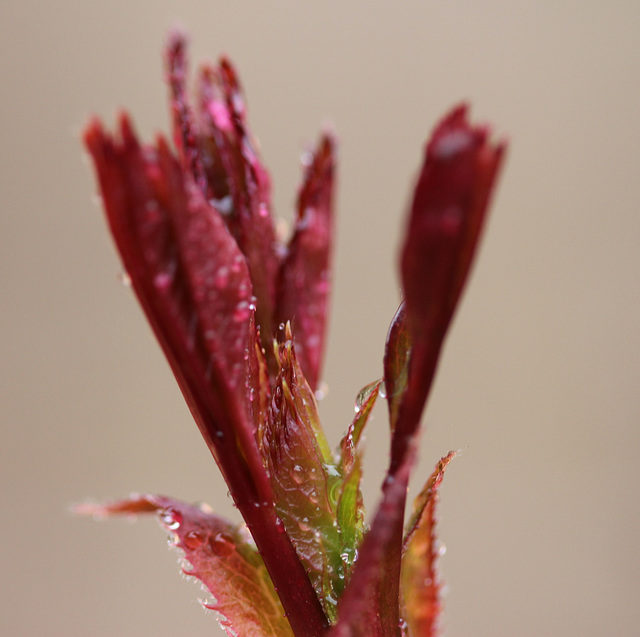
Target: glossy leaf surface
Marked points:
304	477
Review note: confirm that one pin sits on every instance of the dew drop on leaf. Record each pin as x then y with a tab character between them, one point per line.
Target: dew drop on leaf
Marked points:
193	540
298	474
222	545
162	281
171	518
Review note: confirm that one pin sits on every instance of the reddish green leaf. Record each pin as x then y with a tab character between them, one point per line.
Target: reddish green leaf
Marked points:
304	477
350	512
396	363
304	282
419	586
369	605
220	555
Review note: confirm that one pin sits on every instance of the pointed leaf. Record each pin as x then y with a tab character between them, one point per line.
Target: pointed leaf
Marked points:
238	183
185	132
369	605
419	586
220	555
350	513
194	286
304	282
304	478
396	363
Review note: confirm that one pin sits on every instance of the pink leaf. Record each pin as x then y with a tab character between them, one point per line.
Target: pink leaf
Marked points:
220	555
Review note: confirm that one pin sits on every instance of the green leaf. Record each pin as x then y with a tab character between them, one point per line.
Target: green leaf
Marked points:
220	555
419	586
350	514
304	477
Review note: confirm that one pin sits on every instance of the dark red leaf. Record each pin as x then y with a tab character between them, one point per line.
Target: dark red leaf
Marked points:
194	286
304	282
445	222
238	184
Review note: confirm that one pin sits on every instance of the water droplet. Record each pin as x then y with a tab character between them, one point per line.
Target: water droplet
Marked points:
221	278
222	544
171	518
322	391
242	312
193	540
279	526
298	474
124	279
263	211
306	158
162	281
382	392
304	524
441	549
364	394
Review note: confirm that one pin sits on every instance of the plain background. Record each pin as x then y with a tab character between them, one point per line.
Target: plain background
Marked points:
539	381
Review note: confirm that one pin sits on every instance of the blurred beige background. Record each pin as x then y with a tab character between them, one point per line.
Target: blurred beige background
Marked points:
538	385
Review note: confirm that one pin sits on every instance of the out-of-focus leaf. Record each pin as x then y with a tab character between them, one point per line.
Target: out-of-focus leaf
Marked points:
220	555
447	215
190	277
193	283
238	184
304	476
304	280
419	586
396	363
185	131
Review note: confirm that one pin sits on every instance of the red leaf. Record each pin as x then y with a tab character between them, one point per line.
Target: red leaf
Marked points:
194	286
449	205
303	288
238	183
419	586
221	556
447	214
